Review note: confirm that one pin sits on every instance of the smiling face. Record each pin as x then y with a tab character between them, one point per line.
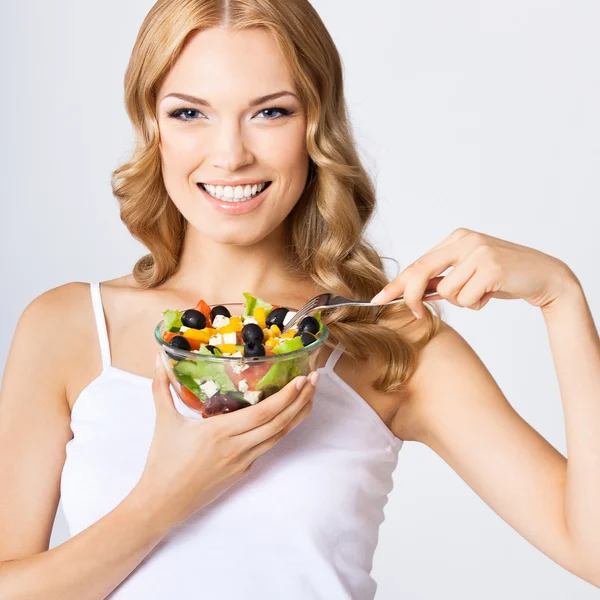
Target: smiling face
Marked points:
218	128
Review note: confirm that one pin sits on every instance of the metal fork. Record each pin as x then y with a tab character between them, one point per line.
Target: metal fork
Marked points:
328	300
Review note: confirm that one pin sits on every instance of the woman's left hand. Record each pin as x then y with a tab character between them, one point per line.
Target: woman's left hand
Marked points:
485	267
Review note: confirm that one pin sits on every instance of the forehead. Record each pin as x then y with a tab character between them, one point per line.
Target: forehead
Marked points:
216	59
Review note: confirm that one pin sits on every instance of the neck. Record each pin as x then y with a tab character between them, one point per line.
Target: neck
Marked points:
220	273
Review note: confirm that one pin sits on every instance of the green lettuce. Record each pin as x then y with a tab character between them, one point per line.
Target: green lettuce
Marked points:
317	316
252	303
191	385
205	350
172	320
283	371
203	370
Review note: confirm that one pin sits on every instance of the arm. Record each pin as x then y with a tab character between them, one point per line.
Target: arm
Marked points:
34	428
460	413
89	565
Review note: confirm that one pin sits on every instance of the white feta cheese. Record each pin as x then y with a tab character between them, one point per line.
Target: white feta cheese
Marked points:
237	368
183	328
288	316
229	338
220	321
243	385
250	320
210	388
253	397
216	339
238	353
226	353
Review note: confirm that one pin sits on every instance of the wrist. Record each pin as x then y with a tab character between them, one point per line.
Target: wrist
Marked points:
148	510
570	294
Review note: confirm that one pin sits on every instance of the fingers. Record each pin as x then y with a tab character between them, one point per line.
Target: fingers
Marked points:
272	411
417	278
261	439
452	284
163	400
425	272
474	294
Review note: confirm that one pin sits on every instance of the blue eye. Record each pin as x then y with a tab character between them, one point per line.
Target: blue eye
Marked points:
283	112
184	114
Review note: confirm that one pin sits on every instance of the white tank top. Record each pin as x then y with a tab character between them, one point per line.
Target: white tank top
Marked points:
302	525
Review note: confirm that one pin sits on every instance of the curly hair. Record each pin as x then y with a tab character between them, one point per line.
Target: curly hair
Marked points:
326	227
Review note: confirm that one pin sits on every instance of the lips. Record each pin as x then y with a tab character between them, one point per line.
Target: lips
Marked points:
235	198
235	208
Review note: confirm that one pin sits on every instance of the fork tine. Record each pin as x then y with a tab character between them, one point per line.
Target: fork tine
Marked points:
302	313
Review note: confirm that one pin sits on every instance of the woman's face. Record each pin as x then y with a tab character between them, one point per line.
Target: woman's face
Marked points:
224	133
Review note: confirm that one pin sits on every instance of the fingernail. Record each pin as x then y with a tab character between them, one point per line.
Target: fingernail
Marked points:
378	297
300	382
314	378
417	315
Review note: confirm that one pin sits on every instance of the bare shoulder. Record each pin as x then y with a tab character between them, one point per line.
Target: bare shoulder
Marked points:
51	329
443	363
52	317
35	418
58	331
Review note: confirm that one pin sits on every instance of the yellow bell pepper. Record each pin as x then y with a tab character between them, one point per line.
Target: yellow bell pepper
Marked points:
275	330
231	328
260	316
271	343
200	335
227	348
237	323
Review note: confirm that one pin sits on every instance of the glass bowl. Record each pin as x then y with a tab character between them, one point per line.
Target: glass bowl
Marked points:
213	385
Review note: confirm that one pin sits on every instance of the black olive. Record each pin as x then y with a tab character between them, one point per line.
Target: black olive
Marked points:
254	348
212	349
276	317
219	310
178	342
252	332
309	324
223	403
307	337
193	318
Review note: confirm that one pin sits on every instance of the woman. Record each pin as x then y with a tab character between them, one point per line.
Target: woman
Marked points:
241	94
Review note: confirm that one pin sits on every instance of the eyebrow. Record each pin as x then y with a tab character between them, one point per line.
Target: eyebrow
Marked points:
255	102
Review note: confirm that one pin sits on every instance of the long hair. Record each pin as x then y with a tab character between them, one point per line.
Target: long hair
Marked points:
327	243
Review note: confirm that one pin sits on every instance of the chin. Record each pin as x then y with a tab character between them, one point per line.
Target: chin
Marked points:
230	234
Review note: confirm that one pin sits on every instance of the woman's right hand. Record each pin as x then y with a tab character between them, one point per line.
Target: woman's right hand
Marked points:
191	462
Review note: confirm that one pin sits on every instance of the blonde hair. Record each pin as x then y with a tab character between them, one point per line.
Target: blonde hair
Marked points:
326	226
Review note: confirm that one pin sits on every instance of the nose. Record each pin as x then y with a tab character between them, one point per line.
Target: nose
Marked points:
229	152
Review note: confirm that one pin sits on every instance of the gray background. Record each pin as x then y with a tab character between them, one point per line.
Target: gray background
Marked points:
475	114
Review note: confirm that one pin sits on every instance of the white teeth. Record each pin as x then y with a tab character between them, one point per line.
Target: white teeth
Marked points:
231	194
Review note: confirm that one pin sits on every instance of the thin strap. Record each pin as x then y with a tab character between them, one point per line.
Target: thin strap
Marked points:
100	323
334	356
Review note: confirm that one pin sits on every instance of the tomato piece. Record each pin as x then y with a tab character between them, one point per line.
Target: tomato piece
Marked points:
253	374
194	344
191	400
205	310
168	336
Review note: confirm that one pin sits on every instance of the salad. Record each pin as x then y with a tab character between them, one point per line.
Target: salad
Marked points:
230	371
